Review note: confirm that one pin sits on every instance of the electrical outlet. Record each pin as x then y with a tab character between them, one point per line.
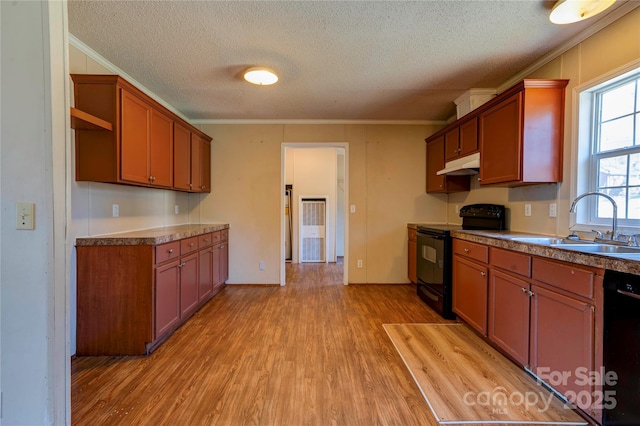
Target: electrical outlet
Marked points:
553	210
359	263
176	209
115	210
457	208
261	265
25	216
527	209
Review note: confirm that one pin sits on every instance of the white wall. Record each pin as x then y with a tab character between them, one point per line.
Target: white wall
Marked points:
34	348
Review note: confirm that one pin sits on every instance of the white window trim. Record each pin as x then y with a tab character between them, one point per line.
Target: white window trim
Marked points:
582	131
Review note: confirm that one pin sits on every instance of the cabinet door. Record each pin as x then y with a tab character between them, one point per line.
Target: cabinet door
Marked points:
181	157
413	248
468	137
134	139
188	284
435	162
452	144
161	150
196	162
205	273
205	166
470	293
224	262
167	298
501	142
509	314
562	336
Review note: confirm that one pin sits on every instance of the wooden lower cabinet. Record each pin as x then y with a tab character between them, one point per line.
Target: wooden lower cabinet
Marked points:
167	303
188	284
131	298
562	342
412	256
509	315
470	292
545	314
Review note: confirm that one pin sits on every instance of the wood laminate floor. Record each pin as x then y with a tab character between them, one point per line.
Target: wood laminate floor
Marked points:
465	381
311	353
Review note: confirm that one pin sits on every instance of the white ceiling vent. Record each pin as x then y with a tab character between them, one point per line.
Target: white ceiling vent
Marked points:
472	99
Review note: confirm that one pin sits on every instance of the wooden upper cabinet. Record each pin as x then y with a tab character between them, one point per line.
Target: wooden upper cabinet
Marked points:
161	150
200	164
462	140
435	161
521	134
135	125
148	144
181	157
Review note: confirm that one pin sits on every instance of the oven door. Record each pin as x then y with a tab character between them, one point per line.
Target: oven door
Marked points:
430	263
433	267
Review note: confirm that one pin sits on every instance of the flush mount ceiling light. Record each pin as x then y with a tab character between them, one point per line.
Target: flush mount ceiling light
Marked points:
260	76
569	11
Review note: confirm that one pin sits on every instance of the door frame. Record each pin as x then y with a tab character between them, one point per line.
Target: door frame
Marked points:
345	146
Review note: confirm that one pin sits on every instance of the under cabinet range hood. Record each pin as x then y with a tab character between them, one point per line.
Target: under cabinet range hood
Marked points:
468	165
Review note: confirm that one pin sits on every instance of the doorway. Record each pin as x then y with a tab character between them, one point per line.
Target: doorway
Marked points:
314	171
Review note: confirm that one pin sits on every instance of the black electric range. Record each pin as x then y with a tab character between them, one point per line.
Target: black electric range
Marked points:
434	254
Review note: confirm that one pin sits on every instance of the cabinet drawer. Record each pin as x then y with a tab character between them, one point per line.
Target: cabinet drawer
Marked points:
224	235
564	276
188	245
471	250
167	251
517	263
205	240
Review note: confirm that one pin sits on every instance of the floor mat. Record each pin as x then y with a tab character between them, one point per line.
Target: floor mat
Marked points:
465	381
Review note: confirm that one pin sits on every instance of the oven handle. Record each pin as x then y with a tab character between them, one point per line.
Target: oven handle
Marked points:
429	294
627	293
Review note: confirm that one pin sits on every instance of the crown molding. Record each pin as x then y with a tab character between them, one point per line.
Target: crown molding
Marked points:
321	121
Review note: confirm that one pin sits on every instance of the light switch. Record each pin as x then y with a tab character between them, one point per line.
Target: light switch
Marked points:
353	208
25	213
115	210
527	209
553	210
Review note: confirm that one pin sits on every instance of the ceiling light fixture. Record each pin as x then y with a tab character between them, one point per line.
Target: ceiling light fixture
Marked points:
569	11
260	76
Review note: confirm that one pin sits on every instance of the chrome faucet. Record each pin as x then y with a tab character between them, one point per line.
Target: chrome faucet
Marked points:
614	226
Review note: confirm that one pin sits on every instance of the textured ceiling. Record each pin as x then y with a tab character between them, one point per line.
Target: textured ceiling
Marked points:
344	60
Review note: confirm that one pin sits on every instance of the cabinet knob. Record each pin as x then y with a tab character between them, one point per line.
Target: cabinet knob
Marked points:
170	251
190	186
190	244
203	187
151	178
524	290
482	274
531	293
206	240
466	250
221	247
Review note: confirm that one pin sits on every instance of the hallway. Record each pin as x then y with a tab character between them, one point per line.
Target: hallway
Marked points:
313	352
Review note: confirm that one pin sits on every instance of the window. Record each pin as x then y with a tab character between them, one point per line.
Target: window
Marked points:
614	151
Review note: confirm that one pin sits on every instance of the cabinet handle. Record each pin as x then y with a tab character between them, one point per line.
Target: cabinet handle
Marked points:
531	293
170	251
482	274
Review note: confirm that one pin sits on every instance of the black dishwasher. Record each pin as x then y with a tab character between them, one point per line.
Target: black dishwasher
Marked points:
621	348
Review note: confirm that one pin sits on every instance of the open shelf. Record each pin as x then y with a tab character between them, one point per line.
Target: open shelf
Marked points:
81	120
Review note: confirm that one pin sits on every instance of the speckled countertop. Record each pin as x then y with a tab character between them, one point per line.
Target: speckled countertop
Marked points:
151	236
502	239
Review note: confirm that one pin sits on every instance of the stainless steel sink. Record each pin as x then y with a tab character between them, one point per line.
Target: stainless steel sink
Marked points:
622	252
598	248
546	241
